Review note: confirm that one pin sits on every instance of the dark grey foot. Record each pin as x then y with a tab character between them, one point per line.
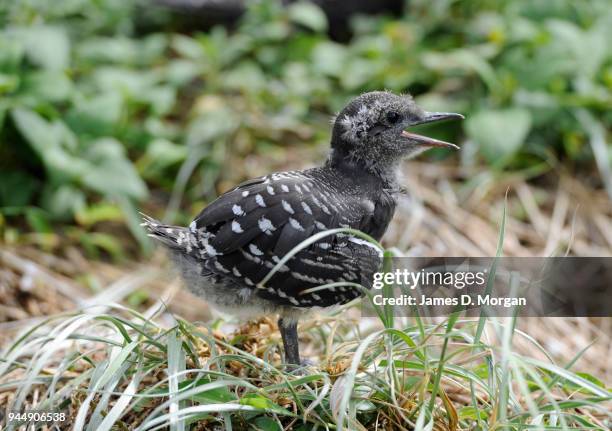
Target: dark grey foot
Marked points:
288	330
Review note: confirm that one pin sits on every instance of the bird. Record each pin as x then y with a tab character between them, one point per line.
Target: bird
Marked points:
228	251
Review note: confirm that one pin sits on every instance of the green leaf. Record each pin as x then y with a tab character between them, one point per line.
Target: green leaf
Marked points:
37	220
95	241
261	402
161	98
45	46
35	129
470	412
11	54
8	83
589	377
264	423
92	214
98	115
111	172
214	396
329	58
180	72
309	15
107	50
160	154
63	201
499	133
131	83
16	188
47	85
53	142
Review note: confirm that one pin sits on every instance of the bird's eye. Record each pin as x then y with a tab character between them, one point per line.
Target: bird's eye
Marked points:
393	117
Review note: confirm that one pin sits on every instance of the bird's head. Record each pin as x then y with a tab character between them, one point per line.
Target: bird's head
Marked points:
371	131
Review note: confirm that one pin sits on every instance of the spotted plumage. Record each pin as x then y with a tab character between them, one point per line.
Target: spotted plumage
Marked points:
232	245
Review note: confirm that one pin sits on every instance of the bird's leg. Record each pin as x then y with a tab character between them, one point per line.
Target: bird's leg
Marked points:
288	330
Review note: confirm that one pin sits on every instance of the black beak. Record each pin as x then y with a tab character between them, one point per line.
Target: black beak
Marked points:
431	117
434	117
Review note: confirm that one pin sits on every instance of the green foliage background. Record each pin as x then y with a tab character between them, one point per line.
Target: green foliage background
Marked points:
102	103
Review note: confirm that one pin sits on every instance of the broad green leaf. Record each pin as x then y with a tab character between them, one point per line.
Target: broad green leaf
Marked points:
463	59
159	155
180	72
110	172
122	50
264	423
107	50
45	46
309	15
54	144
98	115
47	85
329	58
63	201
8	83
161	98
36	130
131	83
11	54
187	47
499	133
16	188
247	77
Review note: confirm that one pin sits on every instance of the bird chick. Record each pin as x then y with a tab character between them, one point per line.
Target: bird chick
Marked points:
233	244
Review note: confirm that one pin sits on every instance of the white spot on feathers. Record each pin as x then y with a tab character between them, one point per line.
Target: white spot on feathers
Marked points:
306	208
284	188
295	224
256	251
236	227
210	250
293	301
287	207
245	193
237	210
270	190
260	200
266	226
220	267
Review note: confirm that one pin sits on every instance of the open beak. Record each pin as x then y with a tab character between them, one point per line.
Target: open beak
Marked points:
431	117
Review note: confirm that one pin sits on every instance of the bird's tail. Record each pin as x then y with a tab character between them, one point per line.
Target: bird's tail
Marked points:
171	236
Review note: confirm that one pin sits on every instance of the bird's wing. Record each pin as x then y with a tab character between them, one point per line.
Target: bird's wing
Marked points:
246	231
